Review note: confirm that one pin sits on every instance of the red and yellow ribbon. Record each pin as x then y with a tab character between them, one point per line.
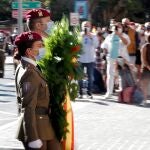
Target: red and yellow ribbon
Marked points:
68	143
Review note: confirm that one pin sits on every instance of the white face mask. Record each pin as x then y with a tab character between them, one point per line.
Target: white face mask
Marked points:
41	54
120	30
50	24
142	31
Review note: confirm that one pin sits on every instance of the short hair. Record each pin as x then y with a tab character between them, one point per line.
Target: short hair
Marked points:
23	47
83	24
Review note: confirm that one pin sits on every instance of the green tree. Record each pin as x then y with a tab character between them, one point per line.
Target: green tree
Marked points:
58	8
134	7
117	9
5	9
45	3
102	11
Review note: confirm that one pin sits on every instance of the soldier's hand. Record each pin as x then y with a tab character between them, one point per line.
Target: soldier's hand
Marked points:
35	144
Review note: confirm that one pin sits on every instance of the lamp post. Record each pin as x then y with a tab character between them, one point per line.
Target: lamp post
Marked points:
20	24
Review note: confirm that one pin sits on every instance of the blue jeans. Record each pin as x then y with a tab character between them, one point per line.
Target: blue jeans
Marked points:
90	69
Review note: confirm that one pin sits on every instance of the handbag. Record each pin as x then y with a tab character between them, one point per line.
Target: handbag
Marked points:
138	95
125	96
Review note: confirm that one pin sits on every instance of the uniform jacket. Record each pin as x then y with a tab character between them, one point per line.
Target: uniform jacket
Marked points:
34	93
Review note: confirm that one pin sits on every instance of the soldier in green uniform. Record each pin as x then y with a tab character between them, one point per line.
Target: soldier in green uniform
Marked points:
35	130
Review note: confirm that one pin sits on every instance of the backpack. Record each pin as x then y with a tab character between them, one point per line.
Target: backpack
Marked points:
138	96
125	96
132	95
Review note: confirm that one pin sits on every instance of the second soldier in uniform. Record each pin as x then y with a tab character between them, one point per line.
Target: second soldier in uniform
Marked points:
36	131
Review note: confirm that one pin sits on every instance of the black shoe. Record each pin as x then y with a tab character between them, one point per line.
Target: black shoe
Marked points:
89	95
80	96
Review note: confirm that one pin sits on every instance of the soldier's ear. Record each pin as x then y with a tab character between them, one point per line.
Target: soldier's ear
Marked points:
28	52
38	25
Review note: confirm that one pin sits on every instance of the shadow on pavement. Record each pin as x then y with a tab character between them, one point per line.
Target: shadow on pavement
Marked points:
8	95
1	101
91	101
9	78
109	100
10	149
7	85
7	90
147	105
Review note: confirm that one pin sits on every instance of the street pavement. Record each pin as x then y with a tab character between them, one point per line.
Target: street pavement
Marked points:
99	124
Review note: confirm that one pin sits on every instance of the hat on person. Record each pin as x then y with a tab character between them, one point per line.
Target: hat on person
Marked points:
26	37
37	13
147	24
125	20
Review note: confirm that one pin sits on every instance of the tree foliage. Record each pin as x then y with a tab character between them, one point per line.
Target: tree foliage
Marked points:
59	8
117	9
5	9
101	10
60	66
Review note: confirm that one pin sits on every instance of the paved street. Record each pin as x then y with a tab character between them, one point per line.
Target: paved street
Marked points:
8	111
99	124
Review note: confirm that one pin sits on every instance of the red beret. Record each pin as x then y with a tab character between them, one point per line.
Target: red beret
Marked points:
37	13
26	37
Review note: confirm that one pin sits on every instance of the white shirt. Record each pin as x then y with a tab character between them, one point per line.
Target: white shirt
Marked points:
31	61
89	44
122	47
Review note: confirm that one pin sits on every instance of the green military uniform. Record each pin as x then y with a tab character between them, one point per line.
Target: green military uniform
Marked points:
33	92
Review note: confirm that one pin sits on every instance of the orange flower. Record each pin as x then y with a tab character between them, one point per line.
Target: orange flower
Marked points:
74	60
71	76
75	48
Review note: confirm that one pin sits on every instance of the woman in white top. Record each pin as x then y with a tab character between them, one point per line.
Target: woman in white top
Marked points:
116	45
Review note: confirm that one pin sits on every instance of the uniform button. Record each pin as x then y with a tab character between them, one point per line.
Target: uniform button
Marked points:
41	117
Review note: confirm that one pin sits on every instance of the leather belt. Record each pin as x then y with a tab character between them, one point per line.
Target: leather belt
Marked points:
41	111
